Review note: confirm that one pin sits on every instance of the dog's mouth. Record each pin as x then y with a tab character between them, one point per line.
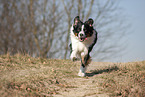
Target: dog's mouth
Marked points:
82	39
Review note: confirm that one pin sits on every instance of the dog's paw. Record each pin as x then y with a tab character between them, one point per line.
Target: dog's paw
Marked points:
82	71
81	74
74	59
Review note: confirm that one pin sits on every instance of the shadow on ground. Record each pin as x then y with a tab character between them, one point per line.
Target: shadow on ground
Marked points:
95	72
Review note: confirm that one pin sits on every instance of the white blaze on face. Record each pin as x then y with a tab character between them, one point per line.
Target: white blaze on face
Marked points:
82	32
82	28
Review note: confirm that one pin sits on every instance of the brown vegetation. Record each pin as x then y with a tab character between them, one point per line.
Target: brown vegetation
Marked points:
26	76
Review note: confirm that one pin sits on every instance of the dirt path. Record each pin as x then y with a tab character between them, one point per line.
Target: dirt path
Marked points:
84	87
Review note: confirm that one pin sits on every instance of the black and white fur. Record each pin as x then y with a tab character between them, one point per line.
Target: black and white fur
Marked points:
83	38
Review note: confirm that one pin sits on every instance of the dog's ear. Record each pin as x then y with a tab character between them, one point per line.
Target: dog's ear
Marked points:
76	20
90	22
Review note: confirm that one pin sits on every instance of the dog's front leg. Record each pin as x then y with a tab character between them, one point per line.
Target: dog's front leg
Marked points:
73	56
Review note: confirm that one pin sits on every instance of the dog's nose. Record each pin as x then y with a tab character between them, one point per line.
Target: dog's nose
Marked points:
81	34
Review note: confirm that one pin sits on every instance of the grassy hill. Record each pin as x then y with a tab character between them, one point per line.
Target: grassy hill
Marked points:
26	76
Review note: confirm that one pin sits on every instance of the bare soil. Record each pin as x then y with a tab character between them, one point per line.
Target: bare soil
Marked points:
86	86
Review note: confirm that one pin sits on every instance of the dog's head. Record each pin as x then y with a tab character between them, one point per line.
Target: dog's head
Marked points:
82	30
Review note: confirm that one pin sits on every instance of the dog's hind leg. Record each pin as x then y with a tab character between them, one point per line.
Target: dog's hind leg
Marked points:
70	46
87	60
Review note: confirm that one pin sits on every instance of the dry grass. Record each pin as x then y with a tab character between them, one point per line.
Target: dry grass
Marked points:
26	76
127	80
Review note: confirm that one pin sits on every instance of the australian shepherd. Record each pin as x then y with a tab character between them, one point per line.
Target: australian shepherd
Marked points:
83	38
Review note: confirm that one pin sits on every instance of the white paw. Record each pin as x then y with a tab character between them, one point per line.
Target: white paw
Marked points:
81	74
73	57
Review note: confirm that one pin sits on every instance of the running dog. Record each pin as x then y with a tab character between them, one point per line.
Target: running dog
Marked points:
83	38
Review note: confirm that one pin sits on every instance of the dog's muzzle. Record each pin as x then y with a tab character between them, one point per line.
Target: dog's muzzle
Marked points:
82	37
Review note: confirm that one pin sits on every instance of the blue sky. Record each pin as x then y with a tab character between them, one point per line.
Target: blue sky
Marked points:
135	12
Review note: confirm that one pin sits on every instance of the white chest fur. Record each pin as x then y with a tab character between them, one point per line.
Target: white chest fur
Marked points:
80	47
